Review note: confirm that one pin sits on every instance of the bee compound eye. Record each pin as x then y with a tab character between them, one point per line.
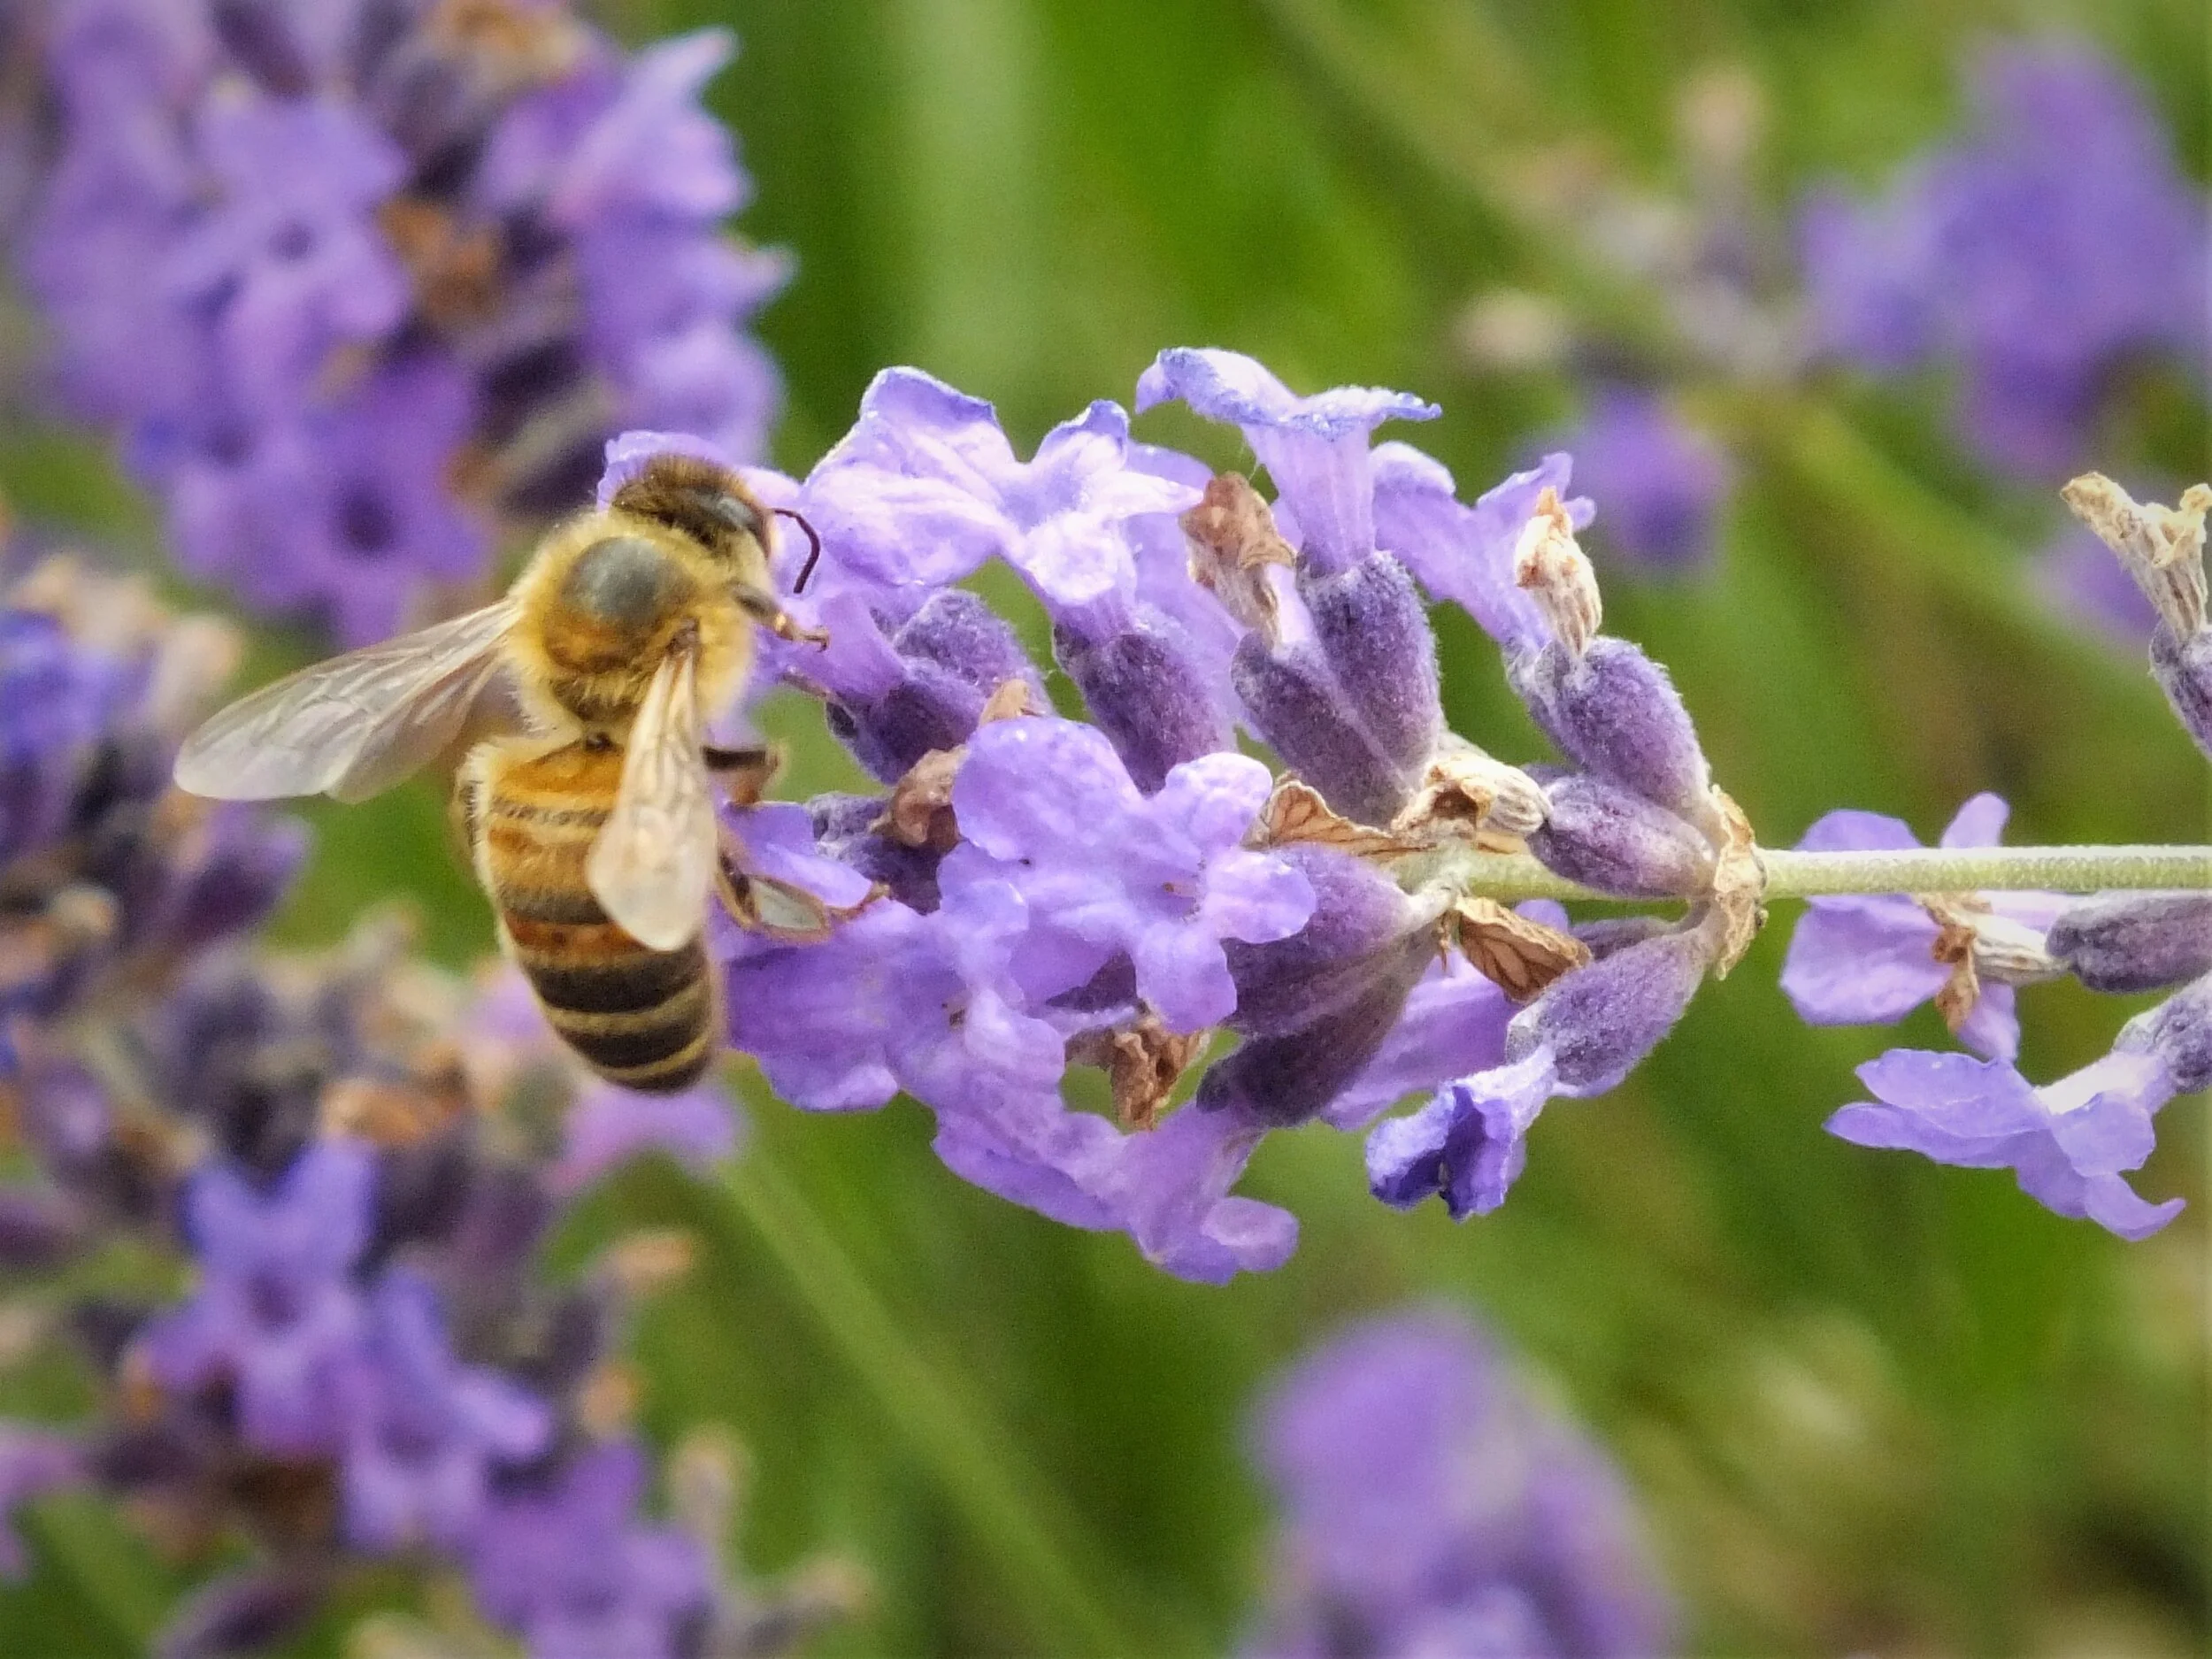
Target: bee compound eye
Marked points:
733	512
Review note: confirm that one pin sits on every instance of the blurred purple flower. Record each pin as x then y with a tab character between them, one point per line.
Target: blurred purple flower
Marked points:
106	865
1660	484
359	291
32	1461
1429	1506
277	1314
2048	251
421	1429
607	1126
2067	1142
2090	588
1869	959
564	1562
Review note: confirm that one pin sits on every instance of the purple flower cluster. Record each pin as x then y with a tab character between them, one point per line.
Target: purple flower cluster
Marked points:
360	284
1431	1506
2043	254
365	1369
1028	892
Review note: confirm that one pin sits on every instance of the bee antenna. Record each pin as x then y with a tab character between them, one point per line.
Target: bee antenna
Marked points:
814	545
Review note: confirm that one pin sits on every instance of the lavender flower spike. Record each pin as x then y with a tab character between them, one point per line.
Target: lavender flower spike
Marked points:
359	288
2068	1144
1431	1506
1315	449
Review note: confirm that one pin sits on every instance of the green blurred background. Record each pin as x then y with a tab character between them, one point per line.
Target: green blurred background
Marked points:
1870	1404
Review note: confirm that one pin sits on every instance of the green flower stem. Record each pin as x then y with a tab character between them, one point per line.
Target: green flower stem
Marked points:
1036	1541
1790	874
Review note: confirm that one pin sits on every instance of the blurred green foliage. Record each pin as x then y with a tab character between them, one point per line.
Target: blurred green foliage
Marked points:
1871	1404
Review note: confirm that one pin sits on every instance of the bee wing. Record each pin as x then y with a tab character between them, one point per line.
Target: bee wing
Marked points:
352	725
654	860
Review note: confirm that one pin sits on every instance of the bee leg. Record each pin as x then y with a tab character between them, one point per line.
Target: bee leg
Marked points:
749	771
762	905
767	610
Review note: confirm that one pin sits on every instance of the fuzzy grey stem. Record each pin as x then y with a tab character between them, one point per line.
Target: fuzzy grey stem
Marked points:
1511	877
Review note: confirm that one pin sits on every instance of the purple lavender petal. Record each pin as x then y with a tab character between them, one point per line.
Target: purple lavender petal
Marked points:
1465	554
1315	449
1454	1023
2066	1143
1868	959
1467	1145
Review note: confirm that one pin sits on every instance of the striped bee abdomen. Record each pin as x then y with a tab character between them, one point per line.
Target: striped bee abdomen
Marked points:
643	1018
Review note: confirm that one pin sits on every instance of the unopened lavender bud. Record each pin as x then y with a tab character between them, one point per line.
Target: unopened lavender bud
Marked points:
1551	566
1605	837
2179	1032
2183	671
1296	705
955	652
1615	710
2134	941
1607	935
1148	692
1289	1079
1360	915
1600	1021
1369	622
2162	548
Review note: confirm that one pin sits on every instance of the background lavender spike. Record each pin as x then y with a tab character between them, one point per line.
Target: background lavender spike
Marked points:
359	294
1428	1504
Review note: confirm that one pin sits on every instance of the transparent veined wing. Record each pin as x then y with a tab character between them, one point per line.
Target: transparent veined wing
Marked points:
653	861
353	726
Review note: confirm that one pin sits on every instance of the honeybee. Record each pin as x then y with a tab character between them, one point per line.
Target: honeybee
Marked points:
591	822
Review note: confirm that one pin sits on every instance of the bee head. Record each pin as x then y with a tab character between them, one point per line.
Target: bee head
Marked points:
710	504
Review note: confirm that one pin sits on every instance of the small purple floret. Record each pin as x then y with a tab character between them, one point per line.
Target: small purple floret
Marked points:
2068	1144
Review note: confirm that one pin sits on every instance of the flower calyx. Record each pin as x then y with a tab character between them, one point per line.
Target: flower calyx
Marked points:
1739	884
1465	792
1296	813
1516	953
1550	566
1143	1061
2162	547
